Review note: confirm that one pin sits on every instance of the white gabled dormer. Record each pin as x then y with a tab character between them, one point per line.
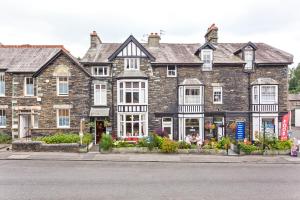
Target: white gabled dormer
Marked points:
131	51
247	53
206	54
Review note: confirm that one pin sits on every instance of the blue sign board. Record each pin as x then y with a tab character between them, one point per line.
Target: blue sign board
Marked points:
240	131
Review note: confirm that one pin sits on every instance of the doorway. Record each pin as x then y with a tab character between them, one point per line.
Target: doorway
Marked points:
100	129
24	126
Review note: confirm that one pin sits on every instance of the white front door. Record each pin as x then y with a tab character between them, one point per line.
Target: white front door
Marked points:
24	126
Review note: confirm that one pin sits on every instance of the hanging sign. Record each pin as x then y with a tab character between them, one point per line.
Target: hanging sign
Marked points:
240	130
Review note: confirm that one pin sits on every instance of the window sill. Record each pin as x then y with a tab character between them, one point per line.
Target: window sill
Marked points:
218	103
171	76
63	127
2	126
63	95
206	70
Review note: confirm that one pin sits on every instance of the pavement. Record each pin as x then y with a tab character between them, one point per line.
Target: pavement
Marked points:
154	157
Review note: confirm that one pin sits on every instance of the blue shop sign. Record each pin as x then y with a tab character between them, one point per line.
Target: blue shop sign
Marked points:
240	131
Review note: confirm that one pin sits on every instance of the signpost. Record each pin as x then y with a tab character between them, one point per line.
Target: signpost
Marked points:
240	130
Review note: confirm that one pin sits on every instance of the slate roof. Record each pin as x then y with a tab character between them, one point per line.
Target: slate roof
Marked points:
185	53
30	58
26	58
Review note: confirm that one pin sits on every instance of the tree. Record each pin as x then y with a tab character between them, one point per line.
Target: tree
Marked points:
294	82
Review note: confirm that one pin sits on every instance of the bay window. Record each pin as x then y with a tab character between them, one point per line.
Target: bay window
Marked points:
192	96
132	125
132	92
255	99
268	94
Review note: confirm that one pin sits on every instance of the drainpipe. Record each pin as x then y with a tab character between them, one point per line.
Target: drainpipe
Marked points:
249	105
177	102
112	103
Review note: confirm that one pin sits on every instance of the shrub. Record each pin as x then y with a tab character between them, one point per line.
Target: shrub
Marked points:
4	138
106	142
60	138
247	148
169	146
224	143
184	145
282	145
142	142
157	141
87	138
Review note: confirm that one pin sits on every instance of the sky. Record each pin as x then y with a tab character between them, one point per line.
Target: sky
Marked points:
70	22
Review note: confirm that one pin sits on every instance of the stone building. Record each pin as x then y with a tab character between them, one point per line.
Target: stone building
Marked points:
43	90
186	88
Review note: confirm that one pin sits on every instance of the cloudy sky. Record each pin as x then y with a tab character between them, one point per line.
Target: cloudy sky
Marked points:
69	22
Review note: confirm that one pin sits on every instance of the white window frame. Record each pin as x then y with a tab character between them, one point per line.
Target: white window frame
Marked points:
197	97
167	124
57	86
249	58
57	118
207	63
255	94
3	117
263	101
218	89
131	64
171	72
97	68
103	95
122	125
2	81
35	121
25	87
142	91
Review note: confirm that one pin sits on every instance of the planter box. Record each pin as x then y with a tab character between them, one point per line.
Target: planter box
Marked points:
212	152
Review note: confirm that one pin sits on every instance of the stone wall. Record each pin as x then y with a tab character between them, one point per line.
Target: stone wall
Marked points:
37	146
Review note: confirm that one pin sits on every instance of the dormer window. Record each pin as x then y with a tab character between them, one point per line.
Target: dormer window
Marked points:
100	71
249	57
207	58
132	63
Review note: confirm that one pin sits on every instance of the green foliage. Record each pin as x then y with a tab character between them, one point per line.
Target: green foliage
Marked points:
87	138
224	143
294	82
4	138
157	141
183	145
247	148
142	142
169	146
65	138
60	138
106	142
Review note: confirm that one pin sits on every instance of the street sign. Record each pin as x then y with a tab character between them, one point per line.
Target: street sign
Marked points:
240	130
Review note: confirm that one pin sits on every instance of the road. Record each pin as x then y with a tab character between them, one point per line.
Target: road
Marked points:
36	179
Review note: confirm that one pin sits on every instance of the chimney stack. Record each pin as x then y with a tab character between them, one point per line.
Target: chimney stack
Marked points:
95	40
212	34
153	40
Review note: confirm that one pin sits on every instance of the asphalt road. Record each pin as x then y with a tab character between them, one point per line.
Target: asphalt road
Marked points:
33	179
